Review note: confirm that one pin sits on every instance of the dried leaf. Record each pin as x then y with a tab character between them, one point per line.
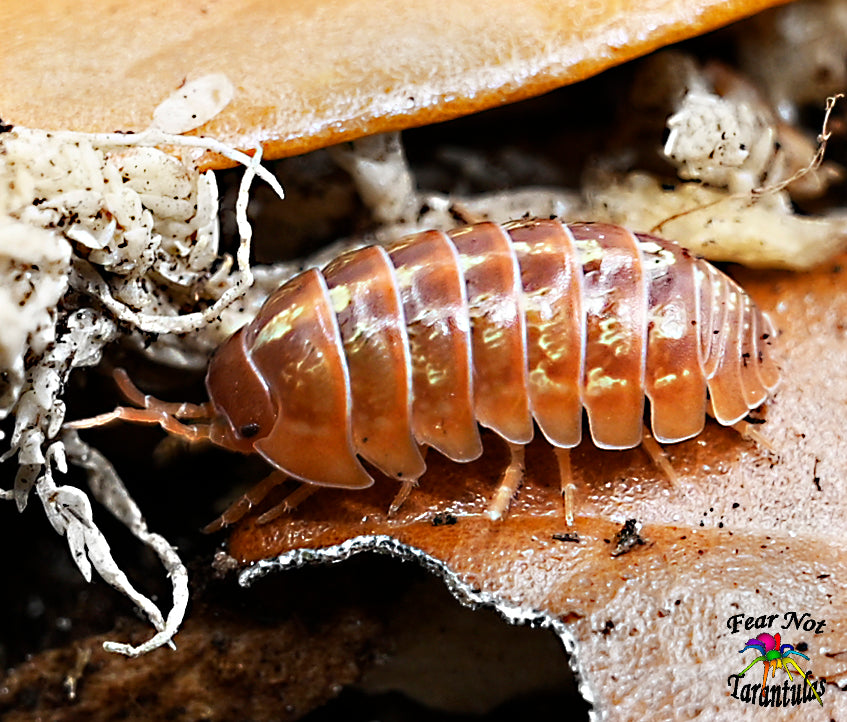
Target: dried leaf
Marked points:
745	532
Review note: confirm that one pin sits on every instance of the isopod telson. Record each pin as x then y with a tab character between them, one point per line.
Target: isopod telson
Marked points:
390	349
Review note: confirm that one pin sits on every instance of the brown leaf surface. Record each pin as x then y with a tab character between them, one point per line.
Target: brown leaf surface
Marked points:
227	666
746	532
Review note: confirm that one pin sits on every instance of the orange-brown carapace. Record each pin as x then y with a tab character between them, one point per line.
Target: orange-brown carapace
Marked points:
393	349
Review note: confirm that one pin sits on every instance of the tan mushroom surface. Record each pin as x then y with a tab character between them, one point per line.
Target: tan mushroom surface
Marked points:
307	75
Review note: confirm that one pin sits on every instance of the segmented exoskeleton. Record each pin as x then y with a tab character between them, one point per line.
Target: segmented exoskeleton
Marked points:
392	349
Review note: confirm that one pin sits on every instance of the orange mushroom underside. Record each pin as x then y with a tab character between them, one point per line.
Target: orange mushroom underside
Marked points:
308	75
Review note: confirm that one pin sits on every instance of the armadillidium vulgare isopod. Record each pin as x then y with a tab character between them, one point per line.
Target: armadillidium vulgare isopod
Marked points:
390	349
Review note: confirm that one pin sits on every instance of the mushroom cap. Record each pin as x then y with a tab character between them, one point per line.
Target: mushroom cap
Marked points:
308	75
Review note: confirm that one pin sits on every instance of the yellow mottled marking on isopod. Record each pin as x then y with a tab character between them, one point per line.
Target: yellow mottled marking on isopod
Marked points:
589	251
468	262
542	381
552	345
435	375
493	336
666	380
279	326
662	256
599	381
406	274
613	335
340	297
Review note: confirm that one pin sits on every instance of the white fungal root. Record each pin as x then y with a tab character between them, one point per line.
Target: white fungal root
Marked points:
102	234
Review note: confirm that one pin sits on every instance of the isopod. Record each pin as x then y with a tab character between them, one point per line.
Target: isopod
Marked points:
392	349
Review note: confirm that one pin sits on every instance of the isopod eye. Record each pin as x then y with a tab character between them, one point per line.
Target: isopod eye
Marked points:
240	396
249	430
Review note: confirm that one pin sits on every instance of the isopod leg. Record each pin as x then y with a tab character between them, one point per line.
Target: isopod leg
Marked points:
289	503
512	479
658	456
401	496
405	489
751	433
563	456
242	505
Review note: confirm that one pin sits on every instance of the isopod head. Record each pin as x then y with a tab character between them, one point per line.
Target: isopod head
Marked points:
245	412
280	388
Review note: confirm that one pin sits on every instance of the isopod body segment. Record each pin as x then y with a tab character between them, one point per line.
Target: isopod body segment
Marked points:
507	326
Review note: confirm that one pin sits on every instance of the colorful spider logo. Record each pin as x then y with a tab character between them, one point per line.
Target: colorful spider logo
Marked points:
775	655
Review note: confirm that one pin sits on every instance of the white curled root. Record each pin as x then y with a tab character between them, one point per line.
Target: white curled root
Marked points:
99	231
109	490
